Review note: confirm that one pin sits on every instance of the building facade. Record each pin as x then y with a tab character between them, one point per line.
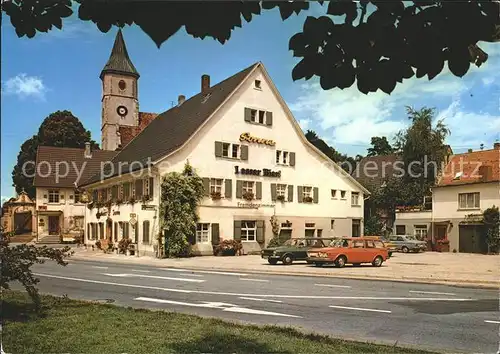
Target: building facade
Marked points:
18	215
255	162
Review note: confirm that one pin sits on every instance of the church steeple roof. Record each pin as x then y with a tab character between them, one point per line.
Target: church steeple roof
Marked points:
119	61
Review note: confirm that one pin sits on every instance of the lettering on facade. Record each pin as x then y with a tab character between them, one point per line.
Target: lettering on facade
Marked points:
253	172
148	207
254	205
116	212
252	139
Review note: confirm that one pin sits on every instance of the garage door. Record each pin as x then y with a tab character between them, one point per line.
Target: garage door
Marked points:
472	239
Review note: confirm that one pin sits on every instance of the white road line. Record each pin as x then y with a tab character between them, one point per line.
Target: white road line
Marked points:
257	312
98	267
203	271
125	275
254	299
333	286
251	295
191	275
261	280
359	309
495	322
431	293
140	271
171	302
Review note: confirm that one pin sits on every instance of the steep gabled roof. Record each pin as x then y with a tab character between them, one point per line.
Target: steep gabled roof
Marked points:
372	171
119	61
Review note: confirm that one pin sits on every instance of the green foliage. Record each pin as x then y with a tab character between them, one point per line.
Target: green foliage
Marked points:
180	196
380	146
373	226
275	227
17	262
376	51
228	247
491	219
60	129
123	245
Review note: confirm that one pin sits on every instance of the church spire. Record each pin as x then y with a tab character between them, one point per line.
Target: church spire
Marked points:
119	61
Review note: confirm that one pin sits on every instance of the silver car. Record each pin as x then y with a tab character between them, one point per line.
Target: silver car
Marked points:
408	243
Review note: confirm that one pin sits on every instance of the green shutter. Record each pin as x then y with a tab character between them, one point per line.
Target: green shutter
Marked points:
273	192
300	196
248	114
228	188
269	118
239	189
94	195
115	230
292	159
114	192
290	193
244	152
315	195
151	187
237	230
258	190
218	149
215	234
260	231
145	231
138	188
206	186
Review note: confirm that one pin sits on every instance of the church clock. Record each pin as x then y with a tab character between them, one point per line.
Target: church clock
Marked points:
122	111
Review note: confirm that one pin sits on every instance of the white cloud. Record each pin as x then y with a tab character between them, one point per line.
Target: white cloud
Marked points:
24	86
304	124
488	81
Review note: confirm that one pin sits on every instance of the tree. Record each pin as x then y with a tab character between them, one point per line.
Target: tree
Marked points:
17	262
374	43
373	226
181	194
380	146
60	129
491	219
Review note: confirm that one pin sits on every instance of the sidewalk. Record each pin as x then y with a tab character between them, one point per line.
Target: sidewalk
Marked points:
430	267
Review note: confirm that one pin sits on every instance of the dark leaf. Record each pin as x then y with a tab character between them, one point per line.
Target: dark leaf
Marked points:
301	70
459	60
286	10
328	82
104	26
345	76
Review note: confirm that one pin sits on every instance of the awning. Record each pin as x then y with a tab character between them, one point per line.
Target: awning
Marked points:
49	212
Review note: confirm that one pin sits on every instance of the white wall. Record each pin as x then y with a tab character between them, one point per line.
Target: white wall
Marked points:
417	215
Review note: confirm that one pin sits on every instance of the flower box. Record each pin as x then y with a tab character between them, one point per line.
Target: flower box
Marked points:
215	195
248	196
280	198
308	200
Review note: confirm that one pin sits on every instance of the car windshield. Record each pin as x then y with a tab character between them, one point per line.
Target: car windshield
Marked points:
338	243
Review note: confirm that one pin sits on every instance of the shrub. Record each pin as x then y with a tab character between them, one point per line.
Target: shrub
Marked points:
248	196
98	244
274	242
228	247
123	245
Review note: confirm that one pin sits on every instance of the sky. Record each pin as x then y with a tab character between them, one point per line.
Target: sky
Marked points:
60	70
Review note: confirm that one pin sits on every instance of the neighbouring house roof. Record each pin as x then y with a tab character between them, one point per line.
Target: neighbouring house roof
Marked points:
119	61
472	167
372	171
127	133
48	157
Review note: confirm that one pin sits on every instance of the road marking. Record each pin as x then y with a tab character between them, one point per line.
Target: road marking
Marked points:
203	271
125	275
333	286
98	267
192	275
431	293
257	312
140	271
495	322
261	280
171	302
254	299
251	295
359	309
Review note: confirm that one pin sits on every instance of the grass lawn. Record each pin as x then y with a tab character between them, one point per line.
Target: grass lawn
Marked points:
68	326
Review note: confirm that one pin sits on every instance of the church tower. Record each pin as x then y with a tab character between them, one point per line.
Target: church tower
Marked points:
120	105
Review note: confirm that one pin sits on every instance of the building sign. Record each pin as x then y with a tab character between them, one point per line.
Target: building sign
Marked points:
254	205
264	172
133	215
116	212
148	207
252	139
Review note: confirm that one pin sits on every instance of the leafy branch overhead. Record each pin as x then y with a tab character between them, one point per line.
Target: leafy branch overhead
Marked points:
373	43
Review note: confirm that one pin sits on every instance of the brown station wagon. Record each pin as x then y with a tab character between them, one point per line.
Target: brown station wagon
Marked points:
353	250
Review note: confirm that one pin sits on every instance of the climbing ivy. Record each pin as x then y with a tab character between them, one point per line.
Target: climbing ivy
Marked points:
180	195
491	219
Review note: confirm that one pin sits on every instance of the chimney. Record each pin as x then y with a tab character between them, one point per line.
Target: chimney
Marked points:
205	84
496	146
88	151
181	100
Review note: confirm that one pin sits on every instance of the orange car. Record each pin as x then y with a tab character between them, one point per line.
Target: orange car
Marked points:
353	250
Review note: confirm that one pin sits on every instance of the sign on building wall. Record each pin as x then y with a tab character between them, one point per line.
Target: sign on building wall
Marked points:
254	172
252	139
254	205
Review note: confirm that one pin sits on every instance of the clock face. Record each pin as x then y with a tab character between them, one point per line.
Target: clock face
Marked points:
122	110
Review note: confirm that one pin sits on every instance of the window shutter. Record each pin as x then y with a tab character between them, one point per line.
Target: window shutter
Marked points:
244	152
260	237
145	231
300	196
292	159
138	189
114	192
273	192
258	190
290	193
248	114
136	233
218	149
215	234
206	186
239	189
269	118
116	231
237	230
151	187
125	229
228	188
315	195
88	232
94	195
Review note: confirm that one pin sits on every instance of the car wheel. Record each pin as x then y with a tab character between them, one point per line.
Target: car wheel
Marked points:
287	259
405	249
341	261
272	261
377	262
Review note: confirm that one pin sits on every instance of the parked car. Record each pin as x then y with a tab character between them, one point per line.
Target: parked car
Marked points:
408	243
353	250
293	250
391	247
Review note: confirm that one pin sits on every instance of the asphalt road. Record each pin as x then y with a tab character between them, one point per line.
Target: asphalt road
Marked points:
436	317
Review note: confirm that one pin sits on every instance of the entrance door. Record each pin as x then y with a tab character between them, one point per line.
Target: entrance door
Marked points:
441	231
53	225
109	230
472	239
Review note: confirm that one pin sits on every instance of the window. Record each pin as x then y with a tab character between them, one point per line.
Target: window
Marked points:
253	115
282	157
319	233
231	150
370	244
421	232
257	116
358	244
262	117
53	196
342	194
334	193
101	230
126	191
306	192
145	189
400	229
354	198
356	228
77	196
216	185
248	230
145	231
78	220
248	187
257	84
332	224
202	233
281	190
309	232
468	201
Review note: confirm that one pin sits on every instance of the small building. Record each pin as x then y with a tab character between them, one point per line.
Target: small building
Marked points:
17	215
